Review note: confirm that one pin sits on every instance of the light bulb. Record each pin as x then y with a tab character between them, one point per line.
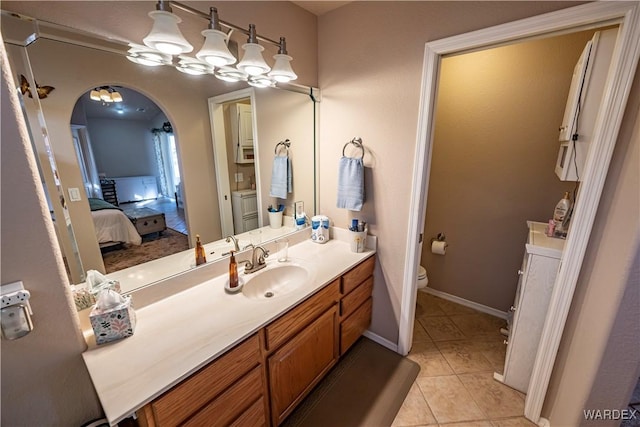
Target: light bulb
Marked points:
252	62
116	97
215	50
95	95
105	96
282	71
165	35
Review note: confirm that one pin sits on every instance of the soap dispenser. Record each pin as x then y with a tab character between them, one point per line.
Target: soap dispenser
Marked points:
200	255
233	272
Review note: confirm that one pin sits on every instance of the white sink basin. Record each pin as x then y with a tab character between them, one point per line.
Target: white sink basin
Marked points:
276	280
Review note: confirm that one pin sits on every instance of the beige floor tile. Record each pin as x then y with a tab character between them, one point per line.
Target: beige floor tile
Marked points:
495	399
424	347
468	424
414	410
496	357
441	328
478	325
463	362
432	363
419	333
427	305
449	400
513	422
451	308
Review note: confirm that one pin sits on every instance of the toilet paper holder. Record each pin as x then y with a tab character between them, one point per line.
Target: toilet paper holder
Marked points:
439	238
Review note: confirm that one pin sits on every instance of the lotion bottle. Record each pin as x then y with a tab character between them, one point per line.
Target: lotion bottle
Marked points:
233	272
561	210
200	255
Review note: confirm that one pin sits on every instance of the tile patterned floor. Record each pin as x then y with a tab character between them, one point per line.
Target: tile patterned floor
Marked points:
458	350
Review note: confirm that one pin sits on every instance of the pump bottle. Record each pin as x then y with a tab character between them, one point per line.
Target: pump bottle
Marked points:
233	272
560	212
200	255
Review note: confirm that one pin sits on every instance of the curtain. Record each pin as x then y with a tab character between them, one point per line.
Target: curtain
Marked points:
87	162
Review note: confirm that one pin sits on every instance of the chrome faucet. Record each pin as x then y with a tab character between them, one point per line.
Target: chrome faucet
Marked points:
235	243
257	260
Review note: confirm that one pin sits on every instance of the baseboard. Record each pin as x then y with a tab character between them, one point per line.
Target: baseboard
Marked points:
543	422
467	303
382	341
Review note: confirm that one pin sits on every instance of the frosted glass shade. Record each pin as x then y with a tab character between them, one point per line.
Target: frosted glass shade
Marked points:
95	95
193	66
215	50
116	97
252	62
105	95
282	71
165	35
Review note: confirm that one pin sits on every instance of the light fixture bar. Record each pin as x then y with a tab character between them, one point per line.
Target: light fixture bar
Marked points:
229	25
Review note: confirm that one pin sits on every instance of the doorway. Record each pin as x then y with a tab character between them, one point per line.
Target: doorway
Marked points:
606	130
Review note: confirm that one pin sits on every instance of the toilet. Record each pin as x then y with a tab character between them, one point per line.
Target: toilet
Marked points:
423	280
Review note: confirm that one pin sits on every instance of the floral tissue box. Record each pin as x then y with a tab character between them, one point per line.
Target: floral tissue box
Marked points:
114	323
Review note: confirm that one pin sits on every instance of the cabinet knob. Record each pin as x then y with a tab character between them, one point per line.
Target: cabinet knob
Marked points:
512	308
520	272
505	342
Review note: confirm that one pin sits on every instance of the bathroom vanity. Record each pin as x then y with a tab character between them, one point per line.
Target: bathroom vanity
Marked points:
206	357
537	277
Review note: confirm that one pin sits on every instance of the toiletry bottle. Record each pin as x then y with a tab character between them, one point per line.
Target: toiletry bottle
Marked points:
200	256
233	272
561	210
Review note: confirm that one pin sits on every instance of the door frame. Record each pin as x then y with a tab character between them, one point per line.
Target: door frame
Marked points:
607	126
220	152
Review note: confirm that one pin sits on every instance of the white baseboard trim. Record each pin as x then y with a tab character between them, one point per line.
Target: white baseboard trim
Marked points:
382	341
466	303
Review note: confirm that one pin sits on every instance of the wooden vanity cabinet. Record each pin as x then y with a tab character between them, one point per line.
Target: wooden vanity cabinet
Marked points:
261	381
217	395
356	303
301	347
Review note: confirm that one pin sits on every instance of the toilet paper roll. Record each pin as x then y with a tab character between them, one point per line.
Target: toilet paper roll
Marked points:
439	247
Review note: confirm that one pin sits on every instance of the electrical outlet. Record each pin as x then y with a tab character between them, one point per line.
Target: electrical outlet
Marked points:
18	297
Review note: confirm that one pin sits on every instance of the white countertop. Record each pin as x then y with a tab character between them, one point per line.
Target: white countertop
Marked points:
538	242
178	335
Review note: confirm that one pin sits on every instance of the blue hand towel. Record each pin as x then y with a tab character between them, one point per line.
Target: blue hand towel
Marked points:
281	181
351	183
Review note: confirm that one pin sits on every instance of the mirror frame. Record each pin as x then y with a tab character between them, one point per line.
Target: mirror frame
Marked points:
617	88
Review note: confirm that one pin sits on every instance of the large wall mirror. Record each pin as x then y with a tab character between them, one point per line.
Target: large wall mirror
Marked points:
157	147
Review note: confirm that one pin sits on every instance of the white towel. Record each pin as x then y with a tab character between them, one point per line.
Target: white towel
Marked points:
350	183
281	181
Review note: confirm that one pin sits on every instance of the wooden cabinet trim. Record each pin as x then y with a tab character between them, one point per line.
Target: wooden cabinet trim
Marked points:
354	325
180	402
299	317
231	404
351	302
254	416
357	275
297	366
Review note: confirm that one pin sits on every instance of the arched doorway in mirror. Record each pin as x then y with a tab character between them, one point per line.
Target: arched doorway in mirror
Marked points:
130	167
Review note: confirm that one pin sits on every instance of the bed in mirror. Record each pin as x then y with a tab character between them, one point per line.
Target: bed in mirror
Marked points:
157	147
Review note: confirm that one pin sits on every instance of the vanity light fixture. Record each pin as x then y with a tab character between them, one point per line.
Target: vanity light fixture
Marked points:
215	50
252	61
165	39
282	71
106	95
193	66
165	35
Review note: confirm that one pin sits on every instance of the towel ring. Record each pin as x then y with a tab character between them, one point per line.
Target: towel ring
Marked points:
357	142
286	144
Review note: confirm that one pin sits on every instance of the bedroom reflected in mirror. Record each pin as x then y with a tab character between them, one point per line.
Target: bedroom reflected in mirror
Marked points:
129	162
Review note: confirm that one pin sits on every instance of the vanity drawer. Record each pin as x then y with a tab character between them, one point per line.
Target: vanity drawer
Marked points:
295	320
232	404
252	417
353	326
356	276
352	301
188	397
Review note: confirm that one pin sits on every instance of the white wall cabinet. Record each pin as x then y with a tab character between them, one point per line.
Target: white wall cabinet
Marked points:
242	133
535	284
245	210
136	188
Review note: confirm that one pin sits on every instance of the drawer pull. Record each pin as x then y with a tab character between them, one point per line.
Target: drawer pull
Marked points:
520	272
512	308
505	342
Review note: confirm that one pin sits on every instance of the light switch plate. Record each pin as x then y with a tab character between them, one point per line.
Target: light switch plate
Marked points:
74	194
239	177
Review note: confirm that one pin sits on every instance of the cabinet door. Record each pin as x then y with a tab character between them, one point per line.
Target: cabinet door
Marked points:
298	365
